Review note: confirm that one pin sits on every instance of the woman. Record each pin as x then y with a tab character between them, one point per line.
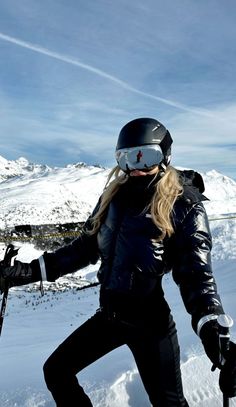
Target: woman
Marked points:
149	220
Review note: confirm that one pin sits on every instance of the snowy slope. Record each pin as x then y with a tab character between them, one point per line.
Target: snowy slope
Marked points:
35	325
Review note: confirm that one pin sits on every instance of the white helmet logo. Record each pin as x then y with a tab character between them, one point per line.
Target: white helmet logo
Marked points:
156	127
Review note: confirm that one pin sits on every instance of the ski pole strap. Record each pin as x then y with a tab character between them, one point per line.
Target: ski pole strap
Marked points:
42	268
225	323
204	320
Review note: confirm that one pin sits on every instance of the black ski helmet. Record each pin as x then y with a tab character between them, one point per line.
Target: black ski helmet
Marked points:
144	130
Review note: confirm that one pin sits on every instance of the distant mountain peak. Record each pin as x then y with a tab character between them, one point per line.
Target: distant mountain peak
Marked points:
19	167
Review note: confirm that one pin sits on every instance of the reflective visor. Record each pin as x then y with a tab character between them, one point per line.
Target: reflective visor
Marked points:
139	158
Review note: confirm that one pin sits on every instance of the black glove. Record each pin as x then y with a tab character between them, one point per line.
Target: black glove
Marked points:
18	274
227	379
209	335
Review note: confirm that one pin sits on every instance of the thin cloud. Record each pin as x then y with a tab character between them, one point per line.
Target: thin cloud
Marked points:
123	84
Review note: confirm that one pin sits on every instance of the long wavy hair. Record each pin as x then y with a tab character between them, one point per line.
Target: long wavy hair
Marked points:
167	190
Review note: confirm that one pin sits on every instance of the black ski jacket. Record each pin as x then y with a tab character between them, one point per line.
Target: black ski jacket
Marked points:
133	262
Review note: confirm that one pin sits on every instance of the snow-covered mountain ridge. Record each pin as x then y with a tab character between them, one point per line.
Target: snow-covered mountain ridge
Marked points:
10	168
37	194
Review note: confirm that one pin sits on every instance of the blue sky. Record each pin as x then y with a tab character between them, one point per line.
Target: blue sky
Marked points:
73	72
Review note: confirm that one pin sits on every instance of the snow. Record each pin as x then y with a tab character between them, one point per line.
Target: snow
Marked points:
35	325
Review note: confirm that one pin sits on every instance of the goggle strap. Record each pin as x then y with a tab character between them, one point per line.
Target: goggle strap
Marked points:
165	144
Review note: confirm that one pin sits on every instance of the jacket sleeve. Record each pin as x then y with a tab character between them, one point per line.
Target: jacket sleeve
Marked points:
72	257
192	269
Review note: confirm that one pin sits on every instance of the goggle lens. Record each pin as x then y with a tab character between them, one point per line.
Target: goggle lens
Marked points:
139	158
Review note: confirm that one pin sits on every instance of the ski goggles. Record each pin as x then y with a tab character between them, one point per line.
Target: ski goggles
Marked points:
142	158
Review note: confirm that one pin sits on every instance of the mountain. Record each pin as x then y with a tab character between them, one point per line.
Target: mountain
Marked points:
10	169
36	194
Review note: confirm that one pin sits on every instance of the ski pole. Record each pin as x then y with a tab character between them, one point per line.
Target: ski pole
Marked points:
10	252
225	322
225	401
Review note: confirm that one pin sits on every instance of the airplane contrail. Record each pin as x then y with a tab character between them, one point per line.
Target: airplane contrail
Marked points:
99	72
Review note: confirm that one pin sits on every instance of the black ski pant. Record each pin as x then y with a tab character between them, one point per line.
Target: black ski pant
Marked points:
156	356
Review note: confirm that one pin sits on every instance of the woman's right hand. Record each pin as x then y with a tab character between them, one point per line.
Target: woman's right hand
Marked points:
18	274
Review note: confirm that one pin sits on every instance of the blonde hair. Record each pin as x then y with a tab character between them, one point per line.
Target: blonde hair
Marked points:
167	191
